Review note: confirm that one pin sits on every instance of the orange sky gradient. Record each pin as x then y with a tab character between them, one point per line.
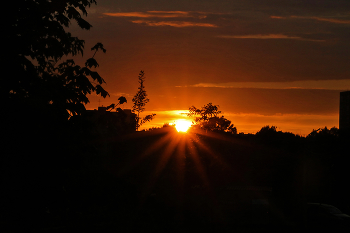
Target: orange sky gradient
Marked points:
263	63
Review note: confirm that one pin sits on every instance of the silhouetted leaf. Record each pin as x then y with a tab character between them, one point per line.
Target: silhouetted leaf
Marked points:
101	91
98	46
86	71
122	100
112	106
83	24
73	13
91	62
97	77
62	19
147	118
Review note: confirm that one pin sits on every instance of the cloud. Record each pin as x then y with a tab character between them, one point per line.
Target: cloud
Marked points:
159	14
343	84
324	19
173	23
332	20
119	94
266	36
155	15
277	17
260	36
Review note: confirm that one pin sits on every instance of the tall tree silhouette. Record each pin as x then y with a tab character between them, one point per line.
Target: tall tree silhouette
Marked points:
35	32
140	100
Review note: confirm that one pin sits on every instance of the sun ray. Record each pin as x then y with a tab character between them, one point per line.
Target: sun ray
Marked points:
163	161
191	160
156	146
236	161
214	156
180	156
198	165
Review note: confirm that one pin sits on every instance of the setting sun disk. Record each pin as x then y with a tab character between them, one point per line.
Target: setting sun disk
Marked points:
182	125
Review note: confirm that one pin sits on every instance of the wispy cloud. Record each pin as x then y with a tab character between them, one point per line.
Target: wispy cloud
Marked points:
159	14
155	16
260	36
119	94
148	14
266	36
277	17
343	84
324	19
173	23
332	20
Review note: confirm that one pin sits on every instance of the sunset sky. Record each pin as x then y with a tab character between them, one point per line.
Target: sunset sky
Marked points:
271	62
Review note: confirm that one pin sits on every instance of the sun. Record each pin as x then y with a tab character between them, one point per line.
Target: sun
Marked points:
182	125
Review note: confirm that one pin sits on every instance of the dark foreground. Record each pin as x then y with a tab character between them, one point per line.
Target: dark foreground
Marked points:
162	181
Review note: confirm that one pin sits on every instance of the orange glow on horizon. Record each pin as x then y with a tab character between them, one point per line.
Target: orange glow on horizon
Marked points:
301	124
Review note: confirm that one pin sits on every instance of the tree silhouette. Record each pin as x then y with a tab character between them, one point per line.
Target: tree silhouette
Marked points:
35	32
205	113
324	134
267	131
207	118
43	87
140	100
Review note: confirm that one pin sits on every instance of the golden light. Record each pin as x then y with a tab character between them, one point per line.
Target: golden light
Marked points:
182	125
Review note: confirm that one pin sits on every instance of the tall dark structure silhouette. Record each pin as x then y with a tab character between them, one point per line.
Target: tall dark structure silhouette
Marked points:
344	110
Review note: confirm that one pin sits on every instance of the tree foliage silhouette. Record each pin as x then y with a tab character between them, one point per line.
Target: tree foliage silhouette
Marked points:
35	32
140	100
267	131
208	119
41	89
324	133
